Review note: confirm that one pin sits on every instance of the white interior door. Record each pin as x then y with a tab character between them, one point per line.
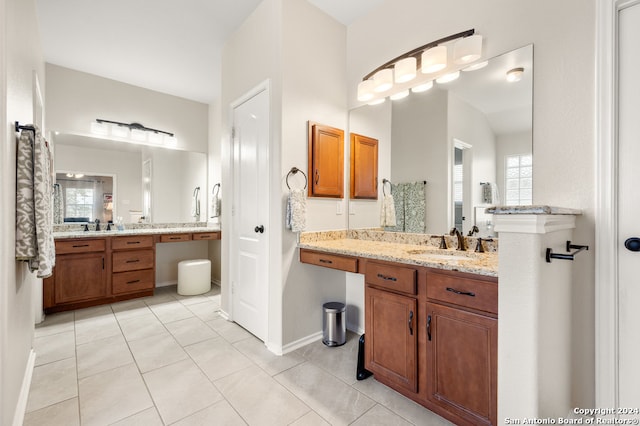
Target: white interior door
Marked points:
250	237
629	208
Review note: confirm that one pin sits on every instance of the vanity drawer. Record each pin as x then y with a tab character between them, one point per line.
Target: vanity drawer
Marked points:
80	246
174	238
133	260
334	261
132	242
463	291
127	282
206	236
392	277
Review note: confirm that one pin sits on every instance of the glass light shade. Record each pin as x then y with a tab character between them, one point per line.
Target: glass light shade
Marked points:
78	175
383	80
476	66
515	74
119	131
448	77
434	59
99	128
467	49
399	95
365	90
378	101
69	174
138	135
170	141
422	87
405	69
154	137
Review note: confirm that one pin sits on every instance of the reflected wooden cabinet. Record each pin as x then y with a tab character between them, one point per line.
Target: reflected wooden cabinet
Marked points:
326	161
364	167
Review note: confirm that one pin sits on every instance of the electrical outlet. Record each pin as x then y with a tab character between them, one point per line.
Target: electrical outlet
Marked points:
352	207
339	207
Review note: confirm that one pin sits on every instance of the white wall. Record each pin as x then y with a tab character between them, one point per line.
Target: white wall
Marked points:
289	41
564	82
20	57
124	165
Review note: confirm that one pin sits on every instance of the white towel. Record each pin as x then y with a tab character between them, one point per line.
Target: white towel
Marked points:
296	218
215	205
388	211
34	213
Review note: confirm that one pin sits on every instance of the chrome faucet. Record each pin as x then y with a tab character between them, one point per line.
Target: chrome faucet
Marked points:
461	244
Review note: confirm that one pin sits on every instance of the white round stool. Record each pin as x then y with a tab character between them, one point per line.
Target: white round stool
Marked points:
194	277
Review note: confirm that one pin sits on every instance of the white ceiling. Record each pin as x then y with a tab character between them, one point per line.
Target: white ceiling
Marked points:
169	46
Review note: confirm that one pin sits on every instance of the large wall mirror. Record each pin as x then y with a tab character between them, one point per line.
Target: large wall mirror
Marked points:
147	183
469	139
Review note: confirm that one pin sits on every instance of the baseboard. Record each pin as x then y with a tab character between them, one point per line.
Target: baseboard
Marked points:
21	407
355	328
290	347
223	314
166	283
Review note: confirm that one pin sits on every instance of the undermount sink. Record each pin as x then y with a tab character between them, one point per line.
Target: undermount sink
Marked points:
430	254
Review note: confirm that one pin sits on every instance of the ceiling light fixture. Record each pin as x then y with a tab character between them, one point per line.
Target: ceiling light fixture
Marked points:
134	132
426	61
515	74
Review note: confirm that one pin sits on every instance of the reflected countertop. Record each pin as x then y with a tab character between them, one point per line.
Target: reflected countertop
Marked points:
151	230
402	252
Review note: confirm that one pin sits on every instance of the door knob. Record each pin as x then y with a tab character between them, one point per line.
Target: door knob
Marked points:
259	229
632	244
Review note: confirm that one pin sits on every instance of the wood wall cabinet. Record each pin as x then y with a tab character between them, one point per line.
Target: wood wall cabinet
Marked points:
364	167
391	324
326	161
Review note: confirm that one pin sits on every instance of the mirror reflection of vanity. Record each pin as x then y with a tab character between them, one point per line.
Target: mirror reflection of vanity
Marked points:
149	184
470	139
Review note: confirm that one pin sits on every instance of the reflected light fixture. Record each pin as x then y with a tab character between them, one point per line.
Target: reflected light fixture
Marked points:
135	132
399	95
515	74
396	77
476	66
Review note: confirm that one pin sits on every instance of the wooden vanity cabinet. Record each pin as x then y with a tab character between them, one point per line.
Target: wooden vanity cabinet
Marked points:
461	345
391	324
80	274
326	161
133	260
364	167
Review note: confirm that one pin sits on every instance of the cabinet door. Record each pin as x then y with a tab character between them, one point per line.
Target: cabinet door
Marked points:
80	277
391	342
326	161
462	362
364	167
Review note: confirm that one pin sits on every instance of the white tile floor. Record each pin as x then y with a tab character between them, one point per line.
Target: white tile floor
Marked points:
172	360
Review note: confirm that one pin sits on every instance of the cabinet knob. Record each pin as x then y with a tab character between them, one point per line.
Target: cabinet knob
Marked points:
632	244
259	229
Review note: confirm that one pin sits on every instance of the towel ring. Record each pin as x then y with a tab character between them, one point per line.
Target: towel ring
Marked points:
385	181
213	191
293	171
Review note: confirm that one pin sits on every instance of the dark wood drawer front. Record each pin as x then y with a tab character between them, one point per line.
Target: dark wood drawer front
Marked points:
206	236
396	278
80	246
343	263
174	238
132	242
462	291
127	282
133	260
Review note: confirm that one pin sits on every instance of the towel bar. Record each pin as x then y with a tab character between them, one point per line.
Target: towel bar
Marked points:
293	171
551	255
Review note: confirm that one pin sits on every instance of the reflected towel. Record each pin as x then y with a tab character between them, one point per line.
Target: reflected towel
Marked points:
415	205
296	216
388	212
34	212
216	205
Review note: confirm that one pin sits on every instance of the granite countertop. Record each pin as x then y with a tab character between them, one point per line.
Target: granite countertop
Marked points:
421	255
140	231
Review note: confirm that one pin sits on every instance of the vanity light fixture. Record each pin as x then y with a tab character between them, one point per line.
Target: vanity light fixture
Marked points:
378	101
135	132
399	95
416	69
476	66
515	74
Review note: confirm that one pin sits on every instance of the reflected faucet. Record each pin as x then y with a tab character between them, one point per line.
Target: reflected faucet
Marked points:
461	244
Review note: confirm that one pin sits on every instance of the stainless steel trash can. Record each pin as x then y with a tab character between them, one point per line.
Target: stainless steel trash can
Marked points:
334	325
